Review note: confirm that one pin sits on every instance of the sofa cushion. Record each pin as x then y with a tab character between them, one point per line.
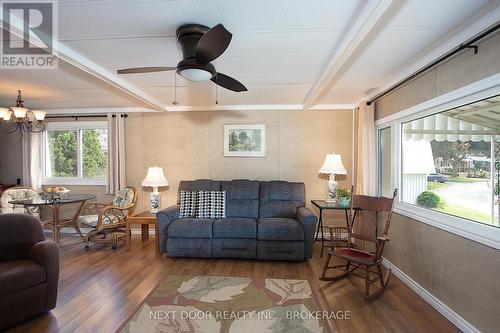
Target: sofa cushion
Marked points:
198	185
17	275
235	227
188	203
211	205
281	199
190	228
242	198
282	229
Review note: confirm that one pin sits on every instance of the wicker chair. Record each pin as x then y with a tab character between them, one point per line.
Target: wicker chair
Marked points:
18	193
364	245
108	219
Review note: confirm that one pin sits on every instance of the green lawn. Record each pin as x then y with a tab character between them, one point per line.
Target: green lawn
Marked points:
431	186
466	180
464	212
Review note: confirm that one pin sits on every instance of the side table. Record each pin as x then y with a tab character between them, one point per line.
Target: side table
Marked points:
323	205
144	219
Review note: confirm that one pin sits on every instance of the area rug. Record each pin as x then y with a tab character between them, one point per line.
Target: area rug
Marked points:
212	304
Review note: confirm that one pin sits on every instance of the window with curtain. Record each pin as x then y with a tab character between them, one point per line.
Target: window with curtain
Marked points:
450	161
75	153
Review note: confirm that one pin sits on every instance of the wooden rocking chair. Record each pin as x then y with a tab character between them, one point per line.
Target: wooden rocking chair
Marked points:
364	246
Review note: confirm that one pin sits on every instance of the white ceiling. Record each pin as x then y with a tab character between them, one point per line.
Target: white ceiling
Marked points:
280	50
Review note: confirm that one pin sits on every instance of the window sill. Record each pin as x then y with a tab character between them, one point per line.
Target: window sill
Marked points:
73	181
482	233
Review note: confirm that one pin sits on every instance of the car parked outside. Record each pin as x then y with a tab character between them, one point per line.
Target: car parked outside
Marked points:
437	178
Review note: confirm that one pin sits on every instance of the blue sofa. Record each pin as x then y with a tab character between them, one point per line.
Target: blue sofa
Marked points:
264	220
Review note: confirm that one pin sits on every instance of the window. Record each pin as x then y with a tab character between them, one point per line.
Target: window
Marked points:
443	155
448	164
75	153
385	159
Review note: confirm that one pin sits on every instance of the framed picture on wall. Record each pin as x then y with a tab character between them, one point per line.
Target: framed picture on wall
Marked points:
245	140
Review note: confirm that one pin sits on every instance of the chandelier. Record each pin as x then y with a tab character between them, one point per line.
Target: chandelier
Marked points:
20	118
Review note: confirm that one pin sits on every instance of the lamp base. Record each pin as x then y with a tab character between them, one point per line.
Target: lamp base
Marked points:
155	201
331	196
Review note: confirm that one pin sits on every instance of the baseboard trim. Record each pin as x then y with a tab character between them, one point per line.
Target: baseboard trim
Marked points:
442	308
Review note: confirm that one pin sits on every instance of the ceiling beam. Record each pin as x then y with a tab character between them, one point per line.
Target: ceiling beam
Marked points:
370	15
236	107
103	110
81	62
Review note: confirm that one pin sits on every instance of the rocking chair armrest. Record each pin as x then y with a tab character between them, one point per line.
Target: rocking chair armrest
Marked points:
383	239
95	205
111	208
111	211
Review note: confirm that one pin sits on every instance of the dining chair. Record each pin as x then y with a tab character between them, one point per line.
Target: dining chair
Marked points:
19	193
367	233
108	219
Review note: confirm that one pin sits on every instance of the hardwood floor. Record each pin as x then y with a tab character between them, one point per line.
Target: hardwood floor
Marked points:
100	289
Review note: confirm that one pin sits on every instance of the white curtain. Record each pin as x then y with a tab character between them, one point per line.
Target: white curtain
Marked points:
32	160
366	159
116	153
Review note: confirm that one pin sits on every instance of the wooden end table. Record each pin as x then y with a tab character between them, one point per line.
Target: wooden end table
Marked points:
323	205
144	219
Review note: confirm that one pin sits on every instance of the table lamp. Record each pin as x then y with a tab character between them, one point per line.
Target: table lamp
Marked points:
155	178
332	166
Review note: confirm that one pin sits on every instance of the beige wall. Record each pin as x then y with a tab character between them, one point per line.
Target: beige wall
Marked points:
463	274
11	165
189	145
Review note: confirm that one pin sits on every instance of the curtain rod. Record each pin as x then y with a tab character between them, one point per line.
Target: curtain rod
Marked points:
461	47
85	116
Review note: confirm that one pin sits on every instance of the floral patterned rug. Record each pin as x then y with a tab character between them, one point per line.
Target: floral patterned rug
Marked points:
212	304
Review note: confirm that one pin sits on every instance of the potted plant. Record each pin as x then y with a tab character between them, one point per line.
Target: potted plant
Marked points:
343	196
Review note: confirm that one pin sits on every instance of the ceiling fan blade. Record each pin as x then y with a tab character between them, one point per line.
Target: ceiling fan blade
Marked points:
228	82
213	43
139	70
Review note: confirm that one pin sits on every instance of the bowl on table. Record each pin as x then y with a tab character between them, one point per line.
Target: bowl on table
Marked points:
55	192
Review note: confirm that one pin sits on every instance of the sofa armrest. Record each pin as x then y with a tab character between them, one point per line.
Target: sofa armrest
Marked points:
308	220
46	254
164	218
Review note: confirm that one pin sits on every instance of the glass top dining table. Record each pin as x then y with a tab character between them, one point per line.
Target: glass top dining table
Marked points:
57	223
72	198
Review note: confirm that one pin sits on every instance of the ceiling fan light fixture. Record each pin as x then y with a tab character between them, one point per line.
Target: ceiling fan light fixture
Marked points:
196	74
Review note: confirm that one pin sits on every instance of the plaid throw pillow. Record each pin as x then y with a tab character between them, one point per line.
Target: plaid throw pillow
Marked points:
211	205
189	202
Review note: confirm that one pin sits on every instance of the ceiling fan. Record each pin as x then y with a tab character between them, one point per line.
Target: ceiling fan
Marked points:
200	45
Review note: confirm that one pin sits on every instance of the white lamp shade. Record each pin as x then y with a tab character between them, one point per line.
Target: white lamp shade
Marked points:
155	178
39	115
333	165
19	112
4	113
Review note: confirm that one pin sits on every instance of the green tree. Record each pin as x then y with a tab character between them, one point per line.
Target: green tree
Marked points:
62	146
454	152
233	140
243	136
94	157
63	152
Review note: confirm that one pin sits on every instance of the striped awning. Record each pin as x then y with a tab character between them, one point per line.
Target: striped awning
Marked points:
476	122
440	127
